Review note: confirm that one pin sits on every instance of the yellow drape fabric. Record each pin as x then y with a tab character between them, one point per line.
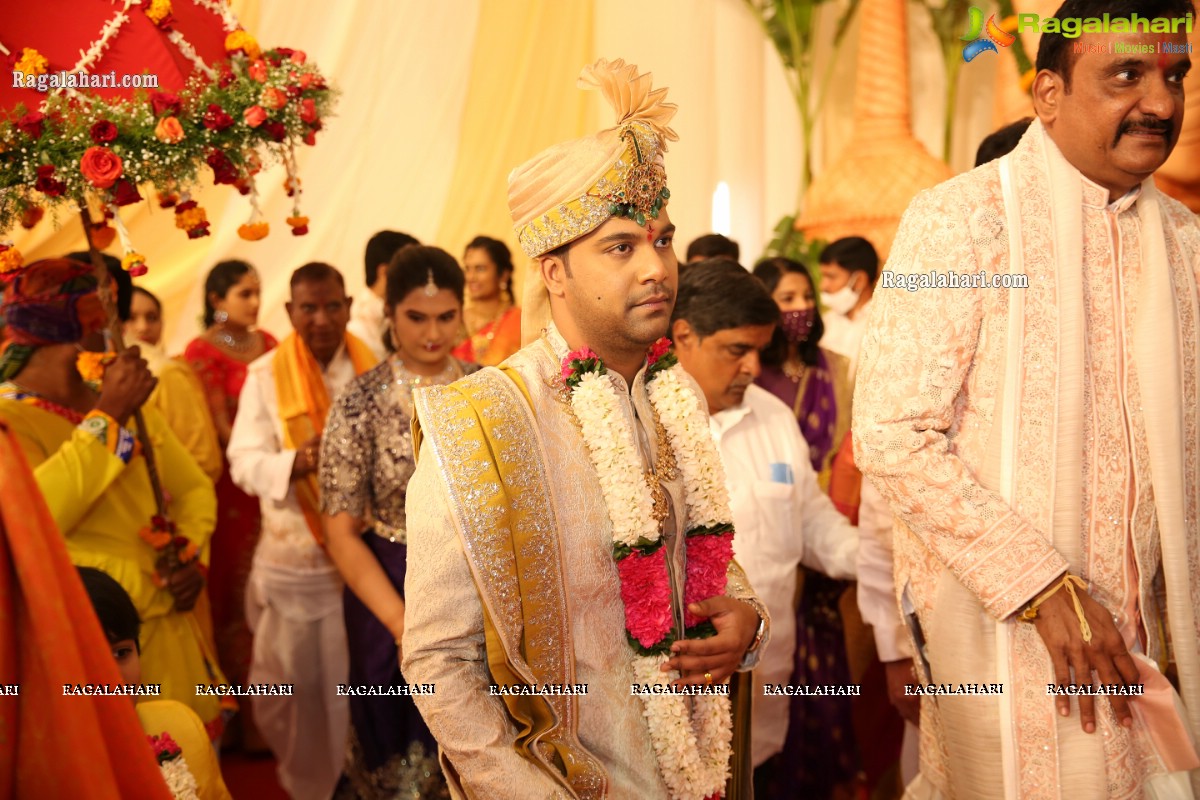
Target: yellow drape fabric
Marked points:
100	504
304	406
521	99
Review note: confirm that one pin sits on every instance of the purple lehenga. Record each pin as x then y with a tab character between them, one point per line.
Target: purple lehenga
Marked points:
366	463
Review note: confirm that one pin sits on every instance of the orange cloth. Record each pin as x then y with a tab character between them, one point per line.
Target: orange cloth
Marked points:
489	350
90	747
845	481
304	405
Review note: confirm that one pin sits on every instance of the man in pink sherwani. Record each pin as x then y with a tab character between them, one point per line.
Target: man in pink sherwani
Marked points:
1039	446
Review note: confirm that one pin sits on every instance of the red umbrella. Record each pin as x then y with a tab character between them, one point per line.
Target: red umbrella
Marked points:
138	47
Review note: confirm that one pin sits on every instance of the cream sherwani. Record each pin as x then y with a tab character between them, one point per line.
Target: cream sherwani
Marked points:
1021	433
293	596
455	567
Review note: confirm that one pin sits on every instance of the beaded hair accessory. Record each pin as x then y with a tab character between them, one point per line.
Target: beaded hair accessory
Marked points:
431	287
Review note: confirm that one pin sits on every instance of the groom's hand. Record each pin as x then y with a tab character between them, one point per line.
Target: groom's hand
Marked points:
720	656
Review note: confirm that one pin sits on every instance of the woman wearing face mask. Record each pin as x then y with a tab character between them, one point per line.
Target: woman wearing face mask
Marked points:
797	370
812	380
366	462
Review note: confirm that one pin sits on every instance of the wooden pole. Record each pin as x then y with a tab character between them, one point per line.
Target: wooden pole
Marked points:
109	301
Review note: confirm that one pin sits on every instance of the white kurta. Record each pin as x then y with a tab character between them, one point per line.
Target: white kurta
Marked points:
293	597
782	519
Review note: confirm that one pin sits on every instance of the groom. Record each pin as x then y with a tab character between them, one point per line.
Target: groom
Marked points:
554	535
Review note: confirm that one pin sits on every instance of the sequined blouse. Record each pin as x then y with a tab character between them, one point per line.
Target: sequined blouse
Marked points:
366	450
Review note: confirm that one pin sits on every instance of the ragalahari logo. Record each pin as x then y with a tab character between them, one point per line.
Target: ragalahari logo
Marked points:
981	38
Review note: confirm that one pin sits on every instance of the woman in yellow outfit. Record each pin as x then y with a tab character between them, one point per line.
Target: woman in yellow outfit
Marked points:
83	451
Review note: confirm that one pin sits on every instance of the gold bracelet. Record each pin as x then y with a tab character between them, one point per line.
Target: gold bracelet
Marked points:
1069	582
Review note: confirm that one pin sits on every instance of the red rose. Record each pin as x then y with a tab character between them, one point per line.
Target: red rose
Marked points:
125	192
275	130
310	138
283	52
255	116
47	184
101	167
31	124
223	169
215	118
306	80
164	103
298	57
273	98
258	70
227	77
103	132
308	110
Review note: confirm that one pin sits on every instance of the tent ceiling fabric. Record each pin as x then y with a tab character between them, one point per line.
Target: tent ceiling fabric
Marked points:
440	100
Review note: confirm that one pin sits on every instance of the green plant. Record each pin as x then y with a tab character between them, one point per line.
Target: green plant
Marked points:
792	26
791	243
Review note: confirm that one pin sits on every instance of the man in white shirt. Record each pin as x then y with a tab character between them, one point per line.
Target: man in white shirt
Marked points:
294	594
849	268
723	318
366	314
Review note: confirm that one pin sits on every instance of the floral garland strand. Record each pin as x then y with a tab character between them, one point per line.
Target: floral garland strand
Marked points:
693	748
251	108
174	767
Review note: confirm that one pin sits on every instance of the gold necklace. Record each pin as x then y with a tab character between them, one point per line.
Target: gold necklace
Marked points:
795	371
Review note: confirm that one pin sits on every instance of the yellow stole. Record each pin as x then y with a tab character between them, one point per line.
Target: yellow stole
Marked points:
483	434
303	407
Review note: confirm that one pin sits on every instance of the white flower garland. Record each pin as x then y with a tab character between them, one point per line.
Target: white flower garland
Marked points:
693	748
180	779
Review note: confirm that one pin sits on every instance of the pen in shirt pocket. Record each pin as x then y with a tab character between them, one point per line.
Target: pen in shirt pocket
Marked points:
782	473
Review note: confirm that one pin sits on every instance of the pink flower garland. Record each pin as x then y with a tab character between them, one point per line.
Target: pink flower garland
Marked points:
708	558
646	593
645	581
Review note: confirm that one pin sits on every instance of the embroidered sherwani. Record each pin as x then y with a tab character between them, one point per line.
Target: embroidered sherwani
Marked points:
563	622
1019	434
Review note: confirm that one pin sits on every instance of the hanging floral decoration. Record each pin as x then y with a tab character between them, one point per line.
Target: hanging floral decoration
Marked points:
230	119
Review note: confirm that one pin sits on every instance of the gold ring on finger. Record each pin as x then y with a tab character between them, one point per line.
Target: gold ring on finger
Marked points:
708	679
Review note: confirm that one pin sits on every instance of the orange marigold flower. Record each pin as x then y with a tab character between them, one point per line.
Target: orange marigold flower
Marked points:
11	259
31	62
134	263
91	365
158	10
253	231
243	42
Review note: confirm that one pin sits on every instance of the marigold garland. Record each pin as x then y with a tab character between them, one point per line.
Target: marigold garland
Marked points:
91	365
